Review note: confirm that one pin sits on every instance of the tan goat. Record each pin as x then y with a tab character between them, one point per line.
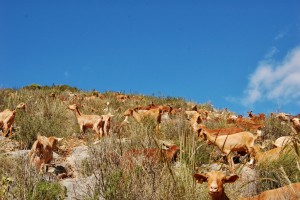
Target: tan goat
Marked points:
195	121
215	182
105	124
7	118
296	124
94	122
152	156
237	142
267	156
41	152
219	131
288	192
139	115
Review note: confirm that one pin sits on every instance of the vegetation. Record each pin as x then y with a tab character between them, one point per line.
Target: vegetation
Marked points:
49	116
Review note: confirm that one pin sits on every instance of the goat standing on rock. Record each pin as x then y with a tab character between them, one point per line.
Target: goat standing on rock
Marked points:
42	149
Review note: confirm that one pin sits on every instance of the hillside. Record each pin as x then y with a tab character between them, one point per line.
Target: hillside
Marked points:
89	168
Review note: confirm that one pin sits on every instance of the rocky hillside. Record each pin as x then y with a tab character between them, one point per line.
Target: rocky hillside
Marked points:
89	168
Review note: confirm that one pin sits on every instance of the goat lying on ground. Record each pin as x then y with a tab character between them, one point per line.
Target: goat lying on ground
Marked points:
41	152
269	155
288	192
216	180
237	142
150	155
7	118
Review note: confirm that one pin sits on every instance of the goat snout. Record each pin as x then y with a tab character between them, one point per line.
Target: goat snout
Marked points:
213	188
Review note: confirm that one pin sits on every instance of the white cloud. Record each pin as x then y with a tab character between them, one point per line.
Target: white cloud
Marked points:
271	53
279	36
278	81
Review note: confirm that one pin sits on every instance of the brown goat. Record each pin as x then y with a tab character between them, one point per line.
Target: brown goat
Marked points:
105	124
216	180
41	152
260	118
219	131
7	118
139	115
248	124
150	155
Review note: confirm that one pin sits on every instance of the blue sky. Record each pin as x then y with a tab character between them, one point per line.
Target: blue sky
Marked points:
240	55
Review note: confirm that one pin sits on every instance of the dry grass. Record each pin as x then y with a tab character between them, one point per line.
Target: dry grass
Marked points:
49	117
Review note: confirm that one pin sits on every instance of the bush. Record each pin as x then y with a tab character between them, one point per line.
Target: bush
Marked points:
48	191
274	129
49	117
18	180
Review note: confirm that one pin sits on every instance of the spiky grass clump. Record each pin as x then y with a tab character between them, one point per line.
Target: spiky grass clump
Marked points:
280	172
139	181
18	180
274	129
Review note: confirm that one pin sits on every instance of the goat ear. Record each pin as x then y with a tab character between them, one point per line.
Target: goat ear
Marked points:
59	139
39	145
231	178
164	146
201	178
199	120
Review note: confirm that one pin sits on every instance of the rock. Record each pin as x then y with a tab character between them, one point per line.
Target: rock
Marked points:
56	156
18	154
214	166
79	188
248	181
78	155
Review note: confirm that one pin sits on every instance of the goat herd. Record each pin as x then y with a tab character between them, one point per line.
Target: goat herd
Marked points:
232	141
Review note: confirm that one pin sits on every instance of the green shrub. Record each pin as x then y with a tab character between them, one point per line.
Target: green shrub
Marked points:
32	86
18	180
47	191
